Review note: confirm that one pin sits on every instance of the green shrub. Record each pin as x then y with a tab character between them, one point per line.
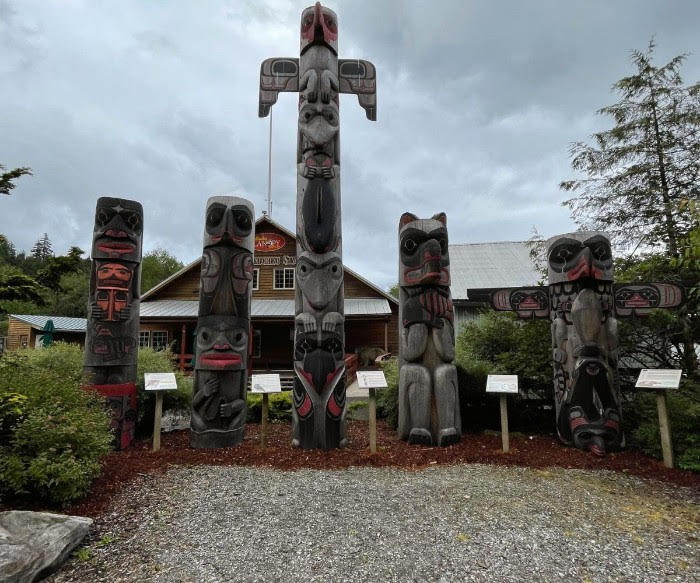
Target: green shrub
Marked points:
388	399
56	432
280	408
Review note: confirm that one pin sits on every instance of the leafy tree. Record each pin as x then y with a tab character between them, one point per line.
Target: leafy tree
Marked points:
394	291
7	178
641	173
55	267
156	266
42	249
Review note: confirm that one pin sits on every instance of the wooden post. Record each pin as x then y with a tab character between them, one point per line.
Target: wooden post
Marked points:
263	420
664	428
386	335
373	420
156	420
504	423
183	344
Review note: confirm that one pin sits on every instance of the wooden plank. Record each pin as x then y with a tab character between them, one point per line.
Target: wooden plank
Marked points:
505	438
373	420
156	420
263	420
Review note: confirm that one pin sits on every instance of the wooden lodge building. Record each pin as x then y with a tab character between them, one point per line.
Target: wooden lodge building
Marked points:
169	310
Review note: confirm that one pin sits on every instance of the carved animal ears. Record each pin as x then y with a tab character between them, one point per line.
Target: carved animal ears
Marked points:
406	218
442	217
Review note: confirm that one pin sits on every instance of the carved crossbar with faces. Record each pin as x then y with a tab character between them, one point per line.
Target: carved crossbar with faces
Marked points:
583	303
111	342
223	328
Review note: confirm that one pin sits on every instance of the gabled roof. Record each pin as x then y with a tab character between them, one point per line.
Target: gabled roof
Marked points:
490	265
61	323
261	220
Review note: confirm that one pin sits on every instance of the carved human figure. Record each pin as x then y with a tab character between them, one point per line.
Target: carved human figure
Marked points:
113	307
223	328
584	341
428	398
318	76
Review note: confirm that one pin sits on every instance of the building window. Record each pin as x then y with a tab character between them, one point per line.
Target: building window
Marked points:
144	338
257	344
159	339
284	278
24	341
256	278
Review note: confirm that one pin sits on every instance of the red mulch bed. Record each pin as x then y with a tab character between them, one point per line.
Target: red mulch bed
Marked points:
120	467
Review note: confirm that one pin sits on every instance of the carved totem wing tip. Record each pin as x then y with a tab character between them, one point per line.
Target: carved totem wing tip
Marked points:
359	77
276	74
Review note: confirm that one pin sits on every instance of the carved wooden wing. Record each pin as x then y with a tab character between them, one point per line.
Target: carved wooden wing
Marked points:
277	74
639	299
528	302
359	77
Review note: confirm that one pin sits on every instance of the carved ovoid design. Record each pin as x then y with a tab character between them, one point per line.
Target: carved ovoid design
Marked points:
111	343
428	397
223	328
318	76
583	305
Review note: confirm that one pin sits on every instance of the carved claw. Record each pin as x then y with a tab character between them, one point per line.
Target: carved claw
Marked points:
97	313
331	321
124	313
231	408
211	386
307	321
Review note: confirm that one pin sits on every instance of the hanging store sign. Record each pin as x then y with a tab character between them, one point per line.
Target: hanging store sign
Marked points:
275	260
268	242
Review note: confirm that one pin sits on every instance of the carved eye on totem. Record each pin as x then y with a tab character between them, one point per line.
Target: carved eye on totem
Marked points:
329	114
103	217
409	246
563	253
132	220
205	336
601	252
244	222
330	23
215	215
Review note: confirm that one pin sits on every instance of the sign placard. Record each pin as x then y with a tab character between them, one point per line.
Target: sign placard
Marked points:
160	381
502	383
265	383
659	378
371	379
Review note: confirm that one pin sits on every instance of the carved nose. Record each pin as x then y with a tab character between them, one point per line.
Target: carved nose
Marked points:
222	347
116	234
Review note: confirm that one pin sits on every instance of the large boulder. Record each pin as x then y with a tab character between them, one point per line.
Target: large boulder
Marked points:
32	544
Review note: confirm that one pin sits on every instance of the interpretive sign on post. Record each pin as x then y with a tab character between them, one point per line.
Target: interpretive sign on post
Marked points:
504	384
372	380
265	384
660	380
159	382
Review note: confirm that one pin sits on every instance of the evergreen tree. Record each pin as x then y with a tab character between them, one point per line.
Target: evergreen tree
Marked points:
156	266
42	249
7	178
642	173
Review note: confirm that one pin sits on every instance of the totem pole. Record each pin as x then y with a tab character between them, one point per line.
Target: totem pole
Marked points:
223	328
428	398
318	76
112	338
583	305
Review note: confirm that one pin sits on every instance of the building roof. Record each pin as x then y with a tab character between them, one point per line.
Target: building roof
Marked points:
61	323
490	265
262	219
261	308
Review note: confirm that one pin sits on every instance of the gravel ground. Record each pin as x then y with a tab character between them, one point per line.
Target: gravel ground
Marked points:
455	523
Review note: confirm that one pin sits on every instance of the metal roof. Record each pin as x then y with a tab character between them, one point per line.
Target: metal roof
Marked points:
261	308
61	323
490	265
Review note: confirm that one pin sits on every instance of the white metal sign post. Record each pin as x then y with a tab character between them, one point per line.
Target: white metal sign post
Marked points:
661	380
159	382
372	380
265	384
504	385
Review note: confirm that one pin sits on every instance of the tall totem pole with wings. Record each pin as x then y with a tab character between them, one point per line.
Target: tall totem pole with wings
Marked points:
583	305
319	338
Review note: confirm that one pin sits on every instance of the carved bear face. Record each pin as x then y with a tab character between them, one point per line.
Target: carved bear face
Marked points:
118	229
423	251
229	221
579	256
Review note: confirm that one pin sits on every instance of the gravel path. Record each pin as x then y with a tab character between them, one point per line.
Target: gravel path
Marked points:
454	523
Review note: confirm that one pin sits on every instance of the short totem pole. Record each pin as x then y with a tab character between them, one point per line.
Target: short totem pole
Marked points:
583	305
223	328
318	76
112	336
428	397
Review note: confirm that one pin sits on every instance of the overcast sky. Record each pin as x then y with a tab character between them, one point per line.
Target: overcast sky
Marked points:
157	101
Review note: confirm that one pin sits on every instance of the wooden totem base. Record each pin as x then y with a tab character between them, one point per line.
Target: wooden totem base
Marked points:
215	438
